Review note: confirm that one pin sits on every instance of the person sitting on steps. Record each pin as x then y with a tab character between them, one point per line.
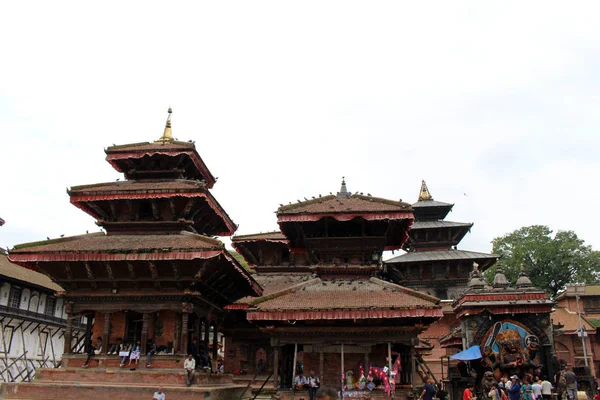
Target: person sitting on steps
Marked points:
116	348
189	366
150	351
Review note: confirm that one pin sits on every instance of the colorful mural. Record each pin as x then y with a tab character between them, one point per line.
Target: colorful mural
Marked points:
509	348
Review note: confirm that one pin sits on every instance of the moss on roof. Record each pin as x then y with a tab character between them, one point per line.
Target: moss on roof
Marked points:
241	260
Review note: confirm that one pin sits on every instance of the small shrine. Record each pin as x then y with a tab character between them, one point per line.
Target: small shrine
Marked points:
509	328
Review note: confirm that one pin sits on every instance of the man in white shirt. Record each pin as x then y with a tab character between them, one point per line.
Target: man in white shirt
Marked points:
546	389
190	367
300	381
537	389
159	395
313	384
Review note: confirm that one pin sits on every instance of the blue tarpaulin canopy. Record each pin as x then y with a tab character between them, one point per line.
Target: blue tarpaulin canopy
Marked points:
472	353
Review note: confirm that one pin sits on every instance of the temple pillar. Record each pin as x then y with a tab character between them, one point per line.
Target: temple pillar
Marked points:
276	366
215	345
106	333
321	371
177	335
186	309
69	329
144	338
206	326
197	329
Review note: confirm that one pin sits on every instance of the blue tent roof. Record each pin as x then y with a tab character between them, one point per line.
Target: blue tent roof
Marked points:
472	353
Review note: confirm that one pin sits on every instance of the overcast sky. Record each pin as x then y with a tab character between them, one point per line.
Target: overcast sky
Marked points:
496	105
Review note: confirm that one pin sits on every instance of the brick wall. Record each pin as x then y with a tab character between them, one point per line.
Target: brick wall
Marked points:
168	320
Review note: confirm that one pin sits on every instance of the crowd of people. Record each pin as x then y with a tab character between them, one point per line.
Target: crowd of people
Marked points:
130	353
530	387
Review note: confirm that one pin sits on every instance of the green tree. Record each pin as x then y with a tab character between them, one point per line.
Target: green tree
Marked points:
551	262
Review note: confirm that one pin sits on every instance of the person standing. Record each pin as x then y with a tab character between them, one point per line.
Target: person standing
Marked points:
537	389
494	394
514	392
527	390
571	384
313	384
429	390
546	389
159	394
468	393
189	366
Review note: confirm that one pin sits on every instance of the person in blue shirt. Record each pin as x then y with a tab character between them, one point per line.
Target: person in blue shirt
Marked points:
514	392
429	390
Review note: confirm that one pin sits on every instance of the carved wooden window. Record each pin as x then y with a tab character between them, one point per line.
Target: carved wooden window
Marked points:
14	300
50	306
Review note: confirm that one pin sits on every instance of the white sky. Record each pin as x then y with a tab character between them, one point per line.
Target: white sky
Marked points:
496	101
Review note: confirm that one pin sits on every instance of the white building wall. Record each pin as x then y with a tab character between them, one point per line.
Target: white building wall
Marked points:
30	343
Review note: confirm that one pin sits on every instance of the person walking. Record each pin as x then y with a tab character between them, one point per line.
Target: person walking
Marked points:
429	390
189	365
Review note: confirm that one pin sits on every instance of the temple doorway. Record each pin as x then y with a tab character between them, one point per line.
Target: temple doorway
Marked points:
133	330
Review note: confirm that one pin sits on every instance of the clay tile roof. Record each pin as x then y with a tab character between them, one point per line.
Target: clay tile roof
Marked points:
145	146
167	185
353	204
440	255
26	275
274	283
99	242
276	235
439	224
431	203
317	294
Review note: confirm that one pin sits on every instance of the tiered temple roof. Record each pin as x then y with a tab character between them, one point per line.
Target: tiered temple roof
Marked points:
432	262
158	225
341	238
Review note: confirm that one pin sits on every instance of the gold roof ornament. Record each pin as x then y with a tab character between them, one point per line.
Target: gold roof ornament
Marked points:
424	194
168	134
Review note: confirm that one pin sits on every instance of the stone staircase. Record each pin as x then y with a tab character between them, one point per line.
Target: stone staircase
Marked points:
254	384
118	384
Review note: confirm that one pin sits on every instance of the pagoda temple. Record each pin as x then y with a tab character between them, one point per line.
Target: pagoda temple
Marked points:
155	271
433	264
326	304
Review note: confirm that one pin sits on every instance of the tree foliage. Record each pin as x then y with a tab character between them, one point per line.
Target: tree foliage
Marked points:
551	262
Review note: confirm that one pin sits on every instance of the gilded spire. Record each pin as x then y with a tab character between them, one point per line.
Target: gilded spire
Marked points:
424	194
168	134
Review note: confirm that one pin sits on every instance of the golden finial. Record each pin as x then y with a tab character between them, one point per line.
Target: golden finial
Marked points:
167	135
424	194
